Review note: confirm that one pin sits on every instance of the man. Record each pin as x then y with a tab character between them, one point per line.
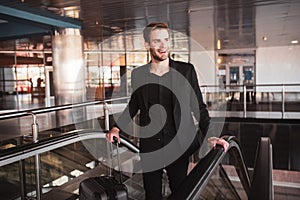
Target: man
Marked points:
167	95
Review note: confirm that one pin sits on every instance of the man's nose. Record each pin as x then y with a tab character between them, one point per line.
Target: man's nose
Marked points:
163	44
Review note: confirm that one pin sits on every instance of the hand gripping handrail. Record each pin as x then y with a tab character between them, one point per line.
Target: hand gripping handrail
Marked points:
194	183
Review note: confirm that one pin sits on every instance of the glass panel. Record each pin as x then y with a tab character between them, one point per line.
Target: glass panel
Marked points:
92	59
10	181
117	42
63	168
93	76
234	75
136	58
135	40
225	182
219	186
248	75
91	45
7	45
180	56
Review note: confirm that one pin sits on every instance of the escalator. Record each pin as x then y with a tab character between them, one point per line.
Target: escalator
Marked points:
219	175
223	175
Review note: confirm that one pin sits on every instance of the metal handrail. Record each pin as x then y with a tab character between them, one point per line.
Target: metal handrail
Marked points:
55	108
262	180
13	155
35	149
254	87
34	112
28	112
36	153
197	179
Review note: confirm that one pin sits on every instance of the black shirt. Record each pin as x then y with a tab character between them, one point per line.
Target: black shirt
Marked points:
160	104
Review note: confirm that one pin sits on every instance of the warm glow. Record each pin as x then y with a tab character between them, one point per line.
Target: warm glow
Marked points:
219	44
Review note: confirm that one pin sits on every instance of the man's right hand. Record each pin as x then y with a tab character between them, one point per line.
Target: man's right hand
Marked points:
114	132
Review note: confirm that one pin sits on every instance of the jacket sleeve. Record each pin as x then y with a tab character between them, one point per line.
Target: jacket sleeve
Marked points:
199	108
131	108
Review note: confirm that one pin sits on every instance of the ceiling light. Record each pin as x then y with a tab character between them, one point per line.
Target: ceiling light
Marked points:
264	38
294	41
218	44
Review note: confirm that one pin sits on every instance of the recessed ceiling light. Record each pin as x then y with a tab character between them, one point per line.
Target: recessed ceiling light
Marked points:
294	41
264	38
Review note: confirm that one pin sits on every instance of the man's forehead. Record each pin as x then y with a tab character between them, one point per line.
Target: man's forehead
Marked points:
159	34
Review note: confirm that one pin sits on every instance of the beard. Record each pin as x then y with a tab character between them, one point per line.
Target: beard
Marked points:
158	57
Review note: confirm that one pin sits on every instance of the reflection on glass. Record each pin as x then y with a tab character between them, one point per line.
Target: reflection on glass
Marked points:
225	181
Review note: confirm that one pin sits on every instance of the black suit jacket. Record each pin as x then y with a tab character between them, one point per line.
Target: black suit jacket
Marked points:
189	110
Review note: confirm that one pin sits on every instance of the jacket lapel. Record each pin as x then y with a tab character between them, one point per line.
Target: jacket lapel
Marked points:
145	91
174	83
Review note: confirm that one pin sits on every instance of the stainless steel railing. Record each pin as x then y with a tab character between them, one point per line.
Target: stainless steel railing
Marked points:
38	148
282	93
74	136
35	128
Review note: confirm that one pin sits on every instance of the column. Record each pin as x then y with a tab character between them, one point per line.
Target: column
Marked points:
68	74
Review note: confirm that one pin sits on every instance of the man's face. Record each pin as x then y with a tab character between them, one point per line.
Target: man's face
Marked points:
159	45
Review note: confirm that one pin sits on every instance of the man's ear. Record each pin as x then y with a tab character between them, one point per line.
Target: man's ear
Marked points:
147	46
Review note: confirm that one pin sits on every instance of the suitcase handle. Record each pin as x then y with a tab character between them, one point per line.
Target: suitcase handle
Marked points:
115	139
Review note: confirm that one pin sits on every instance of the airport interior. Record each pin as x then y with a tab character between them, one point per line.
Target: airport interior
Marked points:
65	78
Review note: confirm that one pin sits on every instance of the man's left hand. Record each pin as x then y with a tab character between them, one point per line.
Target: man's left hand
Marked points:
213	141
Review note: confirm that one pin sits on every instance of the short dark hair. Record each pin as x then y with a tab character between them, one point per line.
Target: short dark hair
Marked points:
151	27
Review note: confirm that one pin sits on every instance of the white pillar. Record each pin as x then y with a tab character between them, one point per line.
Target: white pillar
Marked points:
68	72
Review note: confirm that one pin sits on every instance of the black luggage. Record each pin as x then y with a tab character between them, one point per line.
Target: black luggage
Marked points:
103	187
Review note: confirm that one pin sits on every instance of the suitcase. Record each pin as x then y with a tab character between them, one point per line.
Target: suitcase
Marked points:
103	187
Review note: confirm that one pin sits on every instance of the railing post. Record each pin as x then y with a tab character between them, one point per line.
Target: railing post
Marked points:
283	103
245	101
35	131
34	128
37	177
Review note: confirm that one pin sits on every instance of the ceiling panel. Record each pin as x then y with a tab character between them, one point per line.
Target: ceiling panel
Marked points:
236	23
